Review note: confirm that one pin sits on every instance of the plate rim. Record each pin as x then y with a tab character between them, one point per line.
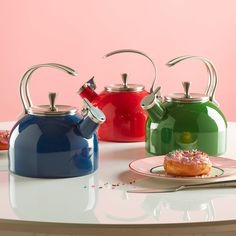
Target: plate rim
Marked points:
178	177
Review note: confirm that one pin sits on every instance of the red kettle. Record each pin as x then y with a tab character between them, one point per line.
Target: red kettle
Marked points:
125	119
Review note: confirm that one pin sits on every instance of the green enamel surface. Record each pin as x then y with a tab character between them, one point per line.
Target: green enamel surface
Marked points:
156	112
199	126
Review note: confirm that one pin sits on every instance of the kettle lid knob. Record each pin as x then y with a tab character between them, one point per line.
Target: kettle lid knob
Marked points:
186	85
124	87
52	109
124	79
52	99
187	97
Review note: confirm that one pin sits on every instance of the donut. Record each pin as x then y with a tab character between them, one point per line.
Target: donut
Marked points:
4	139
187	163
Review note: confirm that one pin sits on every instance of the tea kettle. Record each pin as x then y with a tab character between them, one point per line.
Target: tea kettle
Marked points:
125	120
53	141
186	120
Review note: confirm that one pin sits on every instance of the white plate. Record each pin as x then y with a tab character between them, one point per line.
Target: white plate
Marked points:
160	172
153	167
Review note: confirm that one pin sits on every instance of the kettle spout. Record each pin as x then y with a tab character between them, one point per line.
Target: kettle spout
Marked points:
88	90
152	106
93	117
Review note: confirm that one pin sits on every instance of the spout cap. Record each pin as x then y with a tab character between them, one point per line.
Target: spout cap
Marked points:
89	84
149	101
94	113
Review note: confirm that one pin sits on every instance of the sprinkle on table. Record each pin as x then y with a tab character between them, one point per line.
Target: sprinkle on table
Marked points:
108	185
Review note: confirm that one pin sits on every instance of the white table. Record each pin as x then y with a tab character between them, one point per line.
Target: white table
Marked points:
98	204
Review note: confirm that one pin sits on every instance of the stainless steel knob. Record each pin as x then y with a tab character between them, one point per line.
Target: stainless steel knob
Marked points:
186	85
124	79
52	99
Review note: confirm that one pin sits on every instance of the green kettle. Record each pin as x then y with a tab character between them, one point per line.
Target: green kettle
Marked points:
185	120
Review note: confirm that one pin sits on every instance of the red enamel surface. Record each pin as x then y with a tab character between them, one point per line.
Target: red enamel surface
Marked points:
88	93
125	119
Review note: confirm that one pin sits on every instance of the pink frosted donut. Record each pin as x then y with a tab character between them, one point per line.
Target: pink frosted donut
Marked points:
187	163
4	139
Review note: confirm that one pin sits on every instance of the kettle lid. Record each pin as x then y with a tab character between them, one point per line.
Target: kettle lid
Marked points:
125	87
52	109
187	97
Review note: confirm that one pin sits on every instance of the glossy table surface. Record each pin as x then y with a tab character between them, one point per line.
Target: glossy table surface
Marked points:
101	198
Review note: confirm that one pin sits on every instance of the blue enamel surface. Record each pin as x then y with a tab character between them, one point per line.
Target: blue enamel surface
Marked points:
87	127
52	147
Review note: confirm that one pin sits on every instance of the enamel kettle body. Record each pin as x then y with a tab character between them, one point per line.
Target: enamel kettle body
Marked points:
123	124
186	121
125	119
54	141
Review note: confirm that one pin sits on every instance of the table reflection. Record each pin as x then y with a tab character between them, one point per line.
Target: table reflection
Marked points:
192	206
54	200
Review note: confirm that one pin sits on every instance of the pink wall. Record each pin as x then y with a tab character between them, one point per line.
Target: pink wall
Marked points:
78	33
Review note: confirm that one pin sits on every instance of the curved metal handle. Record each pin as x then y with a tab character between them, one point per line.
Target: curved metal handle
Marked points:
140	53
212	74
24	84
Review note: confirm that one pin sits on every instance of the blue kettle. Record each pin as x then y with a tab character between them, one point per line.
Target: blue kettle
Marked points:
53	141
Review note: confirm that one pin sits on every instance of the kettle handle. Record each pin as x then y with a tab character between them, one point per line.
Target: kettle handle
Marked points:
212	74
24	84
140	53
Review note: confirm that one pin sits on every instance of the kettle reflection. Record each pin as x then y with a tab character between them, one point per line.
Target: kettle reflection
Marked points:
190	206
68	200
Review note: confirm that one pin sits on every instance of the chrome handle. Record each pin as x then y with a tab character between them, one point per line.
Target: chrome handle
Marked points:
24	84
211	70
140	53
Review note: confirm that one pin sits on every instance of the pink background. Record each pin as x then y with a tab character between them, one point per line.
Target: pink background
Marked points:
78	33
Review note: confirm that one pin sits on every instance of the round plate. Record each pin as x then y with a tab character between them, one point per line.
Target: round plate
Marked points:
153	167
160	172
